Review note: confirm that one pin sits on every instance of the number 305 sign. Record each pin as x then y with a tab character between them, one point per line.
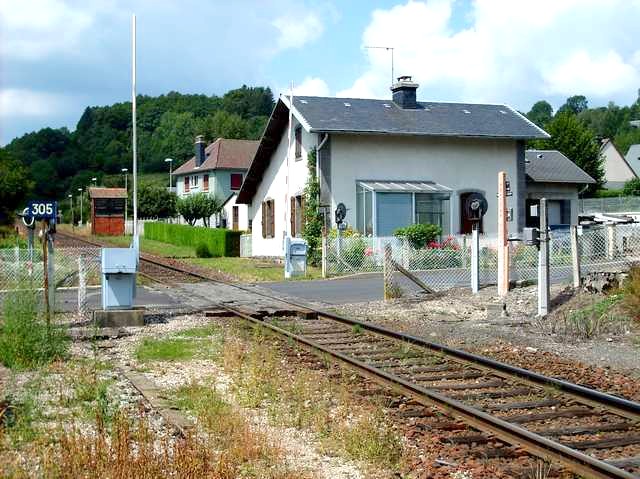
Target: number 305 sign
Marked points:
41	210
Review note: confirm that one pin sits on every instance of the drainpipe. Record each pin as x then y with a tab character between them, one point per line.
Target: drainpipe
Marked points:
318	148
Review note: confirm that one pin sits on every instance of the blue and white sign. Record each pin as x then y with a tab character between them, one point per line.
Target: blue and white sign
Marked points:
42	210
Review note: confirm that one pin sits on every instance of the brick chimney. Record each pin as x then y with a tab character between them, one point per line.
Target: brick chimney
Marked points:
200	146
404	93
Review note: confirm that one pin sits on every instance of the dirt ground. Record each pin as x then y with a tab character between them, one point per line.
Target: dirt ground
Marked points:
476	323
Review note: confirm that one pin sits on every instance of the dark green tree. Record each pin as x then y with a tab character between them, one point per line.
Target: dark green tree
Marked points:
575	104
632	187
541	113
577	142
198	206
248	101
156	202
14	186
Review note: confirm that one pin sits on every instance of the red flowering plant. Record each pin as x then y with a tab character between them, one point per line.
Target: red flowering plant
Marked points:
448	243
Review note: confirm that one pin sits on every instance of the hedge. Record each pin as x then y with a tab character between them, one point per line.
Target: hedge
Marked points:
221	242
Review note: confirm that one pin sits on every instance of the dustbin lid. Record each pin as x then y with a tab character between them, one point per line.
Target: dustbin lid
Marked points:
119	260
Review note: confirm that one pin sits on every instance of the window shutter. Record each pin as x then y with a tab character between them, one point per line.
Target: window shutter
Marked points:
186	183
302	217
292	216
205	182
272	219
264	219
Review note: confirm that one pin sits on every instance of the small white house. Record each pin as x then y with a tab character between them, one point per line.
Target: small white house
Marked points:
617	169
219	170
391	162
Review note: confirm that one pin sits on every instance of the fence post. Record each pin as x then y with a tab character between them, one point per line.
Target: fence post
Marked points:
82	288
324	256
575	257
543	262
387	272
503	245
475	259
611	241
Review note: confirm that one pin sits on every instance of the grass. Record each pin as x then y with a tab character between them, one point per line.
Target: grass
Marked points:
201	342
18	424
246	451
250	269
26	339
599	318
157	248
308	399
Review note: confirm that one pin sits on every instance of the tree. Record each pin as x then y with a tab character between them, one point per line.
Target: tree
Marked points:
156	202
541	113
632	187
312	229
577	142
198	206
574	104
248	101
14	186
173	138
225	125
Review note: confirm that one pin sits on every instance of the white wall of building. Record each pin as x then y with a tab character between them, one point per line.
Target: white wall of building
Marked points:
557	191
275	186
460	164
243	214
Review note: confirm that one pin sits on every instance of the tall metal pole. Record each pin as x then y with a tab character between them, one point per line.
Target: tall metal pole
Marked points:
135	136
543	262
126	200
170	164
81	195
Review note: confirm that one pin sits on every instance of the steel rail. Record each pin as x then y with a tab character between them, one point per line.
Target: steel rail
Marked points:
535	444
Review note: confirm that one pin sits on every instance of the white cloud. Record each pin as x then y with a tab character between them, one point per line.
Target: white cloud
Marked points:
35	28
513	52
29	103
312	86
295	31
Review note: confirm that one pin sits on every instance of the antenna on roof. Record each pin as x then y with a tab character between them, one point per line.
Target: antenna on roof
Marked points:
388	49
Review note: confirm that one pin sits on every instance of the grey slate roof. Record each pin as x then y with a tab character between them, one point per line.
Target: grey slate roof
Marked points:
355	115
551	166
633	158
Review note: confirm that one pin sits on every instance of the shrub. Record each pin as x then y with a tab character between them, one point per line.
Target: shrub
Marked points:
199	206
26	340
632	187
202	251
631	298
221	242
419	235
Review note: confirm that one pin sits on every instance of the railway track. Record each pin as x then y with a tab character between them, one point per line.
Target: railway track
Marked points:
587	432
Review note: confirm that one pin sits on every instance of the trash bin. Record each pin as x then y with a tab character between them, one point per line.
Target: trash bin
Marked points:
295	257
119	266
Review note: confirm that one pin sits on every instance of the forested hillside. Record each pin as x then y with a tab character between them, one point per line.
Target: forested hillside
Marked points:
59	160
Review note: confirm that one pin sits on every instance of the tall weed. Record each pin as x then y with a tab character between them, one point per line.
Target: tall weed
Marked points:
26	340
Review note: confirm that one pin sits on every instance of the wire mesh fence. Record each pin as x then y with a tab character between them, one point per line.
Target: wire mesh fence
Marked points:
72	267
621	204
447	264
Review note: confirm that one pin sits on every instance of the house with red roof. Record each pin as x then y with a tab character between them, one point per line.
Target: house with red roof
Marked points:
218	169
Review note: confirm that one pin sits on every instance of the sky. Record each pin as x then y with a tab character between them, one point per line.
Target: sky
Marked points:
59	56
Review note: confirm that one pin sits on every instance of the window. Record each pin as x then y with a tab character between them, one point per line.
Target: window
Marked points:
297	215
236	181
205	182
268	219
194	181
398	209
235	217
364	214
298	133
186	184
433	208
109	206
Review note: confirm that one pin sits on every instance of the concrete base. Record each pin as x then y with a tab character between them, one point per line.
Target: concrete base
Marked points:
117	318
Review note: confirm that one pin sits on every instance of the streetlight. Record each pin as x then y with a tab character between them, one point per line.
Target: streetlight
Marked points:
71	202
170	161
81	195
95	181
125	171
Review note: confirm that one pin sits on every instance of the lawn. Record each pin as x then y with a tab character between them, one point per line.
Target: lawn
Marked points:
249	269
242	269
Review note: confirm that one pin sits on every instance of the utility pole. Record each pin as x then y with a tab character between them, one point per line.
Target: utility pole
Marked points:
134	130
543	261
503	244
126	198
81	195
72	214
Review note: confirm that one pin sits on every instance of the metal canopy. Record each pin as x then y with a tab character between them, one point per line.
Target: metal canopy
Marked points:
391	186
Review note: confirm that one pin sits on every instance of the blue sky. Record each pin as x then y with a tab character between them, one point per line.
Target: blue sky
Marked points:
59	56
